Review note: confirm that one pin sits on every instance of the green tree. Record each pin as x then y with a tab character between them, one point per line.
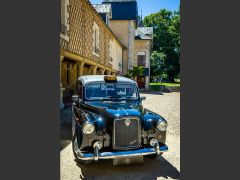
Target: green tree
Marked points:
166	41
158	65
134	72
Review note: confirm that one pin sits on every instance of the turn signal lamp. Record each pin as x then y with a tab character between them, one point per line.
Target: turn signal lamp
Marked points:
110	78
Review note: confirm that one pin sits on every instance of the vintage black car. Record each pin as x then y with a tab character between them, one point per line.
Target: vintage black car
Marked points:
109	121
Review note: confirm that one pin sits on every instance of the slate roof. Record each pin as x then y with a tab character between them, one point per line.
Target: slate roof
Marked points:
103	8
146	30
123	9
141	35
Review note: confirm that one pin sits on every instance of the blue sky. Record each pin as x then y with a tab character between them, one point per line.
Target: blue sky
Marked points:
151	6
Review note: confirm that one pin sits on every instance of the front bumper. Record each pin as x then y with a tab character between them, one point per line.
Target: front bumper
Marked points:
118	154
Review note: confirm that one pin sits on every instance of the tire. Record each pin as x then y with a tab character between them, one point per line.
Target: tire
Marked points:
153	156
79	161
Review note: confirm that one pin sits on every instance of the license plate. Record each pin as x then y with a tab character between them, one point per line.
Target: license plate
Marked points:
128	160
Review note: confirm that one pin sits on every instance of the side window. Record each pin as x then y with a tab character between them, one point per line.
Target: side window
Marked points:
79	90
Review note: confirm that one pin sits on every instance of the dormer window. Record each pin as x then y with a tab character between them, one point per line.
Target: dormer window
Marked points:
64	30
110	52
96	41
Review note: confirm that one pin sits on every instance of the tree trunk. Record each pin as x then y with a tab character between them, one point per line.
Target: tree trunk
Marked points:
171	78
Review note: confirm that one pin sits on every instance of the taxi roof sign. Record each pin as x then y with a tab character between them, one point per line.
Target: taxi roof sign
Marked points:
110	78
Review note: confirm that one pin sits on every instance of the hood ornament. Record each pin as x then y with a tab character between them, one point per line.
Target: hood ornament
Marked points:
127	122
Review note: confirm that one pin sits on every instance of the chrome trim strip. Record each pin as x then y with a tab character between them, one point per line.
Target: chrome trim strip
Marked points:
112	155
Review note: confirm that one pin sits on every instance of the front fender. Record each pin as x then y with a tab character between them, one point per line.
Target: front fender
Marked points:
87	116
150	119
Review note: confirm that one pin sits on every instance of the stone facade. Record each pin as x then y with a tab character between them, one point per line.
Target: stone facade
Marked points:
118	56
143	48
125	31
100	39
86	49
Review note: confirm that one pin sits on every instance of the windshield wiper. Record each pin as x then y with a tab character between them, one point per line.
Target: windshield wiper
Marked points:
128	97
117	98
109	98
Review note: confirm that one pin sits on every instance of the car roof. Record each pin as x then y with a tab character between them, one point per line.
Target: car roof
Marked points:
100	78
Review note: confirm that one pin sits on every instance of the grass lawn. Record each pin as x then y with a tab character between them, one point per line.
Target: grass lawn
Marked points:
177	84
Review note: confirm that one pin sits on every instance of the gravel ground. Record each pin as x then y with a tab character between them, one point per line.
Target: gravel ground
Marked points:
165	167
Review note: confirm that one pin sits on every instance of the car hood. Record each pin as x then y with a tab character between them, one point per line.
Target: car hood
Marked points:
116	108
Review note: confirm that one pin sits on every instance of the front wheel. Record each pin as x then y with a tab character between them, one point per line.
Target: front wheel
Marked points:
75	148
153	156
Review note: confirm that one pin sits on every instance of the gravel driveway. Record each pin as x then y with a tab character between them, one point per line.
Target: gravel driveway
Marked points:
165	167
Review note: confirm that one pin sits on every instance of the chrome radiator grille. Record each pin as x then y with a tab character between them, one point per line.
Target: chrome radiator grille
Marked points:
126	133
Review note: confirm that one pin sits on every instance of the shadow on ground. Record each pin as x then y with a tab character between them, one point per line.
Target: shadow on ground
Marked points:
149	169
104	169
152	92
66	136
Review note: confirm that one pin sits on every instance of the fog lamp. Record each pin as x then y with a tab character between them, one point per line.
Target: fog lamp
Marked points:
162	125
88	128
153	142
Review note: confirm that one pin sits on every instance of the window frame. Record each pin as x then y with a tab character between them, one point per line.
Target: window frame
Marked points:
103	82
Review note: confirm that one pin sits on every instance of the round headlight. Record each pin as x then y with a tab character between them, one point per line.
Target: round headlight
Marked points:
162	125
88	128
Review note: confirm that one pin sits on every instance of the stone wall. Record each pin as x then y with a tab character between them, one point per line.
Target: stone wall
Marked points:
142	46
78	57
117	56
125	31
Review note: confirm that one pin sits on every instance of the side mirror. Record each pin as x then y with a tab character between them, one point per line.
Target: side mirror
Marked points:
74	98
143	98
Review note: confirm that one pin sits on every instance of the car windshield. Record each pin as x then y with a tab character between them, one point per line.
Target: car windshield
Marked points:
108	91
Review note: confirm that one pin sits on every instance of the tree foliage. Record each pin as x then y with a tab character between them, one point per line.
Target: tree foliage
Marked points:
166	43
157	63
135	71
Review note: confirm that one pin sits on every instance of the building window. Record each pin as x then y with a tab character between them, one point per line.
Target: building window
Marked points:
96	41
110	52
64	28
141	60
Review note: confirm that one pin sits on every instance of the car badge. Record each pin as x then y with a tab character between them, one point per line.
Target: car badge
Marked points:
127	122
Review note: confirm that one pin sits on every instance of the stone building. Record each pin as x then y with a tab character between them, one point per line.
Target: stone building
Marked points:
128	27
101	39
87	44
142	47
123	24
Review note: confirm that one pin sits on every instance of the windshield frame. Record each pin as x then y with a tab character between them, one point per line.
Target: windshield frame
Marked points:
99	82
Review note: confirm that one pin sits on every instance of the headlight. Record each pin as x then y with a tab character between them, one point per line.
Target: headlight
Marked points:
88	128
162	125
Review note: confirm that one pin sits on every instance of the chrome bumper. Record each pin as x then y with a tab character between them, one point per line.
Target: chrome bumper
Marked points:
112	155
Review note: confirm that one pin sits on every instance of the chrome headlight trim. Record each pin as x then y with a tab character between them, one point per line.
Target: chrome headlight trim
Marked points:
88	128
162	125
